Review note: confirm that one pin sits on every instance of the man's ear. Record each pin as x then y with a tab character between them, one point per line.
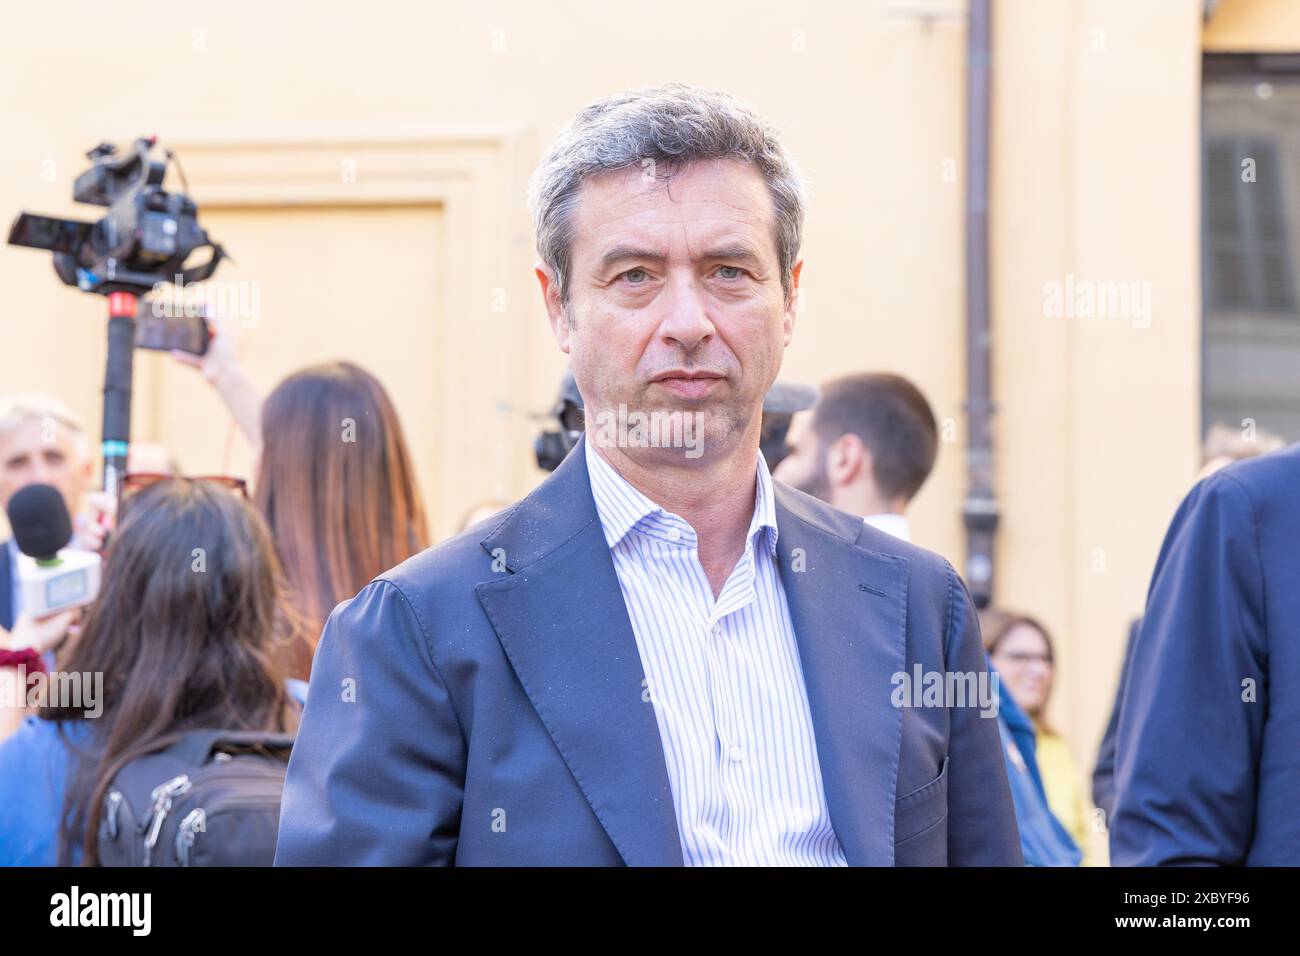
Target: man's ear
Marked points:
546	278
846	460
792	306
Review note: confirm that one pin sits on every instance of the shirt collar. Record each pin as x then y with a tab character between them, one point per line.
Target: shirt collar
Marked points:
622	507
896	525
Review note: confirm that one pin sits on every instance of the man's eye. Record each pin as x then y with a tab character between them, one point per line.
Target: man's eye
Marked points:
635	276
730	272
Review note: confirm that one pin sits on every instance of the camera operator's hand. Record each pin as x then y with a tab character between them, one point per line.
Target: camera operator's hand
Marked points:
221	367
40	634
96	520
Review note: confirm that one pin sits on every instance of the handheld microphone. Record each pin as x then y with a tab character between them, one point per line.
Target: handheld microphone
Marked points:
51	576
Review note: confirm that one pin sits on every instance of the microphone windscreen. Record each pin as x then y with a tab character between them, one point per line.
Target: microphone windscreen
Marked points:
40	521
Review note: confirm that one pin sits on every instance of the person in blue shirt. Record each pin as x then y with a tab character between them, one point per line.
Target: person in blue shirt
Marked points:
185	634
1044	840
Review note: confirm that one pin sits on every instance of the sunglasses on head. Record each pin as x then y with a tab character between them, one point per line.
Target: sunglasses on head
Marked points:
139	480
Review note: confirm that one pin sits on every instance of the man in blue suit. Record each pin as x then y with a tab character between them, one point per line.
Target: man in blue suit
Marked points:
660	656
1207	765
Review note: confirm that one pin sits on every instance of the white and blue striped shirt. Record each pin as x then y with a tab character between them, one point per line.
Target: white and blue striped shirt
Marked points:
725	681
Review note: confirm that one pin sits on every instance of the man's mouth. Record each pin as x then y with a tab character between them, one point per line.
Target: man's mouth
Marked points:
689	384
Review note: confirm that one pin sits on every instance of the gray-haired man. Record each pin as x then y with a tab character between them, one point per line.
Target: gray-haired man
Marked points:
40	443
660	656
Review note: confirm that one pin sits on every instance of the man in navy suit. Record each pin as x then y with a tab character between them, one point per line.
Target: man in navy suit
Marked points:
660	656
1207	764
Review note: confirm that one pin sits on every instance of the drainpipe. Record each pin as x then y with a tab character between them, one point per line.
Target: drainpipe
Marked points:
980	509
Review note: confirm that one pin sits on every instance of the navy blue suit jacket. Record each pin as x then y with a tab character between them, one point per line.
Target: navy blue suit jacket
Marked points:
482	703
7	572
1207	766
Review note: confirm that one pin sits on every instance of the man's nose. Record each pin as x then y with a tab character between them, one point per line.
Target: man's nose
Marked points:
686	321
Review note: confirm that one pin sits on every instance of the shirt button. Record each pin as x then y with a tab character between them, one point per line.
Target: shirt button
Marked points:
735	752
717	630
674	534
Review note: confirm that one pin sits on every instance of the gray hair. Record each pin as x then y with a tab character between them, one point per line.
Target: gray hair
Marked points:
672	124
18	410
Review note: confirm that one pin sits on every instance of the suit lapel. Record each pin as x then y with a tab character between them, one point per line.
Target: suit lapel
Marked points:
849	610
560	617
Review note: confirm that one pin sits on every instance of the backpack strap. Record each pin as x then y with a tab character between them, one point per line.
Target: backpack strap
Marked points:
197	746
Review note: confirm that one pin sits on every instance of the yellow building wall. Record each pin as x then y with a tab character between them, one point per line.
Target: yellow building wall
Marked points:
1254	26
367	167
1095	180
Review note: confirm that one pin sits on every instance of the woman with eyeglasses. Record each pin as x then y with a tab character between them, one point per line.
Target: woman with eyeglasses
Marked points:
185	634
1021	652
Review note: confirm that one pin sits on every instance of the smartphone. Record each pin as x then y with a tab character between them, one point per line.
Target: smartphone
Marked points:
185	333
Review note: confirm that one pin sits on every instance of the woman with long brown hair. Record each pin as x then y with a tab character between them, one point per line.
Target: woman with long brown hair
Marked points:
334	480
185	635
337	487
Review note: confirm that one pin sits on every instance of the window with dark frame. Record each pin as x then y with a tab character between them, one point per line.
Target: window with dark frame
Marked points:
1250	214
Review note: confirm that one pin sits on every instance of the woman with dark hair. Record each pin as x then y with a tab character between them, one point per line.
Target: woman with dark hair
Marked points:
335	481
185	635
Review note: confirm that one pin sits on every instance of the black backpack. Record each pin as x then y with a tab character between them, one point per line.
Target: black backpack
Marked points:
212	798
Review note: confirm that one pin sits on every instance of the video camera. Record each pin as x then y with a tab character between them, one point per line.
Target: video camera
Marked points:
142	242
145	237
